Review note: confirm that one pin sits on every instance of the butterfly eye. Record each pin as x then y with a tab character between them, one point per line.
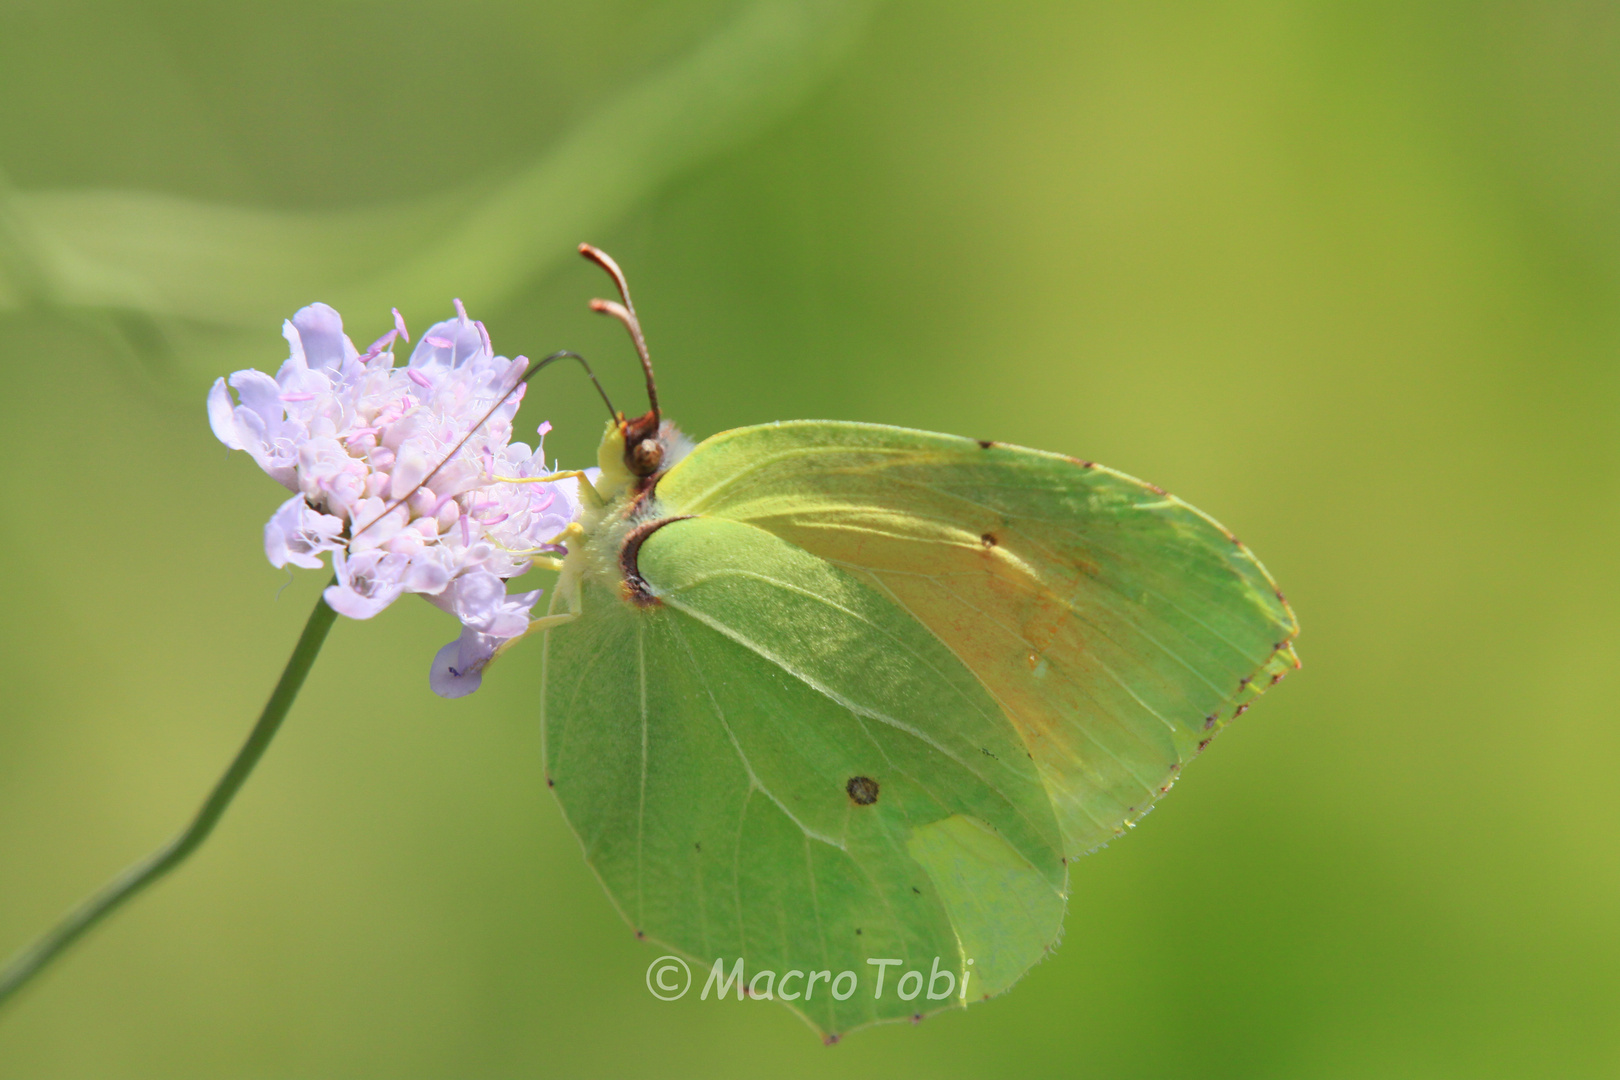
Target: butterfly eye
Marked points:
646	457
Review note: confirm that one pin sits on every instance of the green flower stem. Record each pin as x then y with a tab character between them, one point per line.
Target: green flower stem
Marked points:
37	956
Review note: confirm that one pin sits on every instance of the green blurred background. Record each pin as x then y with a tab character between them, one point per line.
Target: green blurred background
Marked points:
1344	275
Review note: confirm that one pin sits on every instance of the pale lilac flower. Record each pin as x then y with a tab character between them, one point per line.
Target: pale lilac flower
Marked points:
489	618
352	436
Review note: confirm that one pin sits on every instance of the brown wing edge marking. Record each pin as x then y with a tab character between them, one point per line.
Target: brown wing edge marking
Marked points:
635	586
1273	670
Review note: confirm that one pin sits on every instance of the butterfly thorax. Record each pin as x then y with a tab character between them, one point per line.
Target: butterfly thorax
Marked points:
618	517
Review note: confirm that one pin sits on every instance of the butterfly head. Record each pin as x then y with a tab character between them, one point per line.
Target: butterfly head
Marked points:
644	451
636	451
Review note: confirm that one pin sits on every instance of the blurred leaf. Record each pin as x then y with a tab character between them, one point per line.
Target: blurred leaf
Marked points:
242	268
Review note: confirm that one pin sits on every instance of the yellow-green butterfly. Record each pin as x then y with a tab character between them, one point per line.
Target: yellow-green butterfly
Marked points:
819	696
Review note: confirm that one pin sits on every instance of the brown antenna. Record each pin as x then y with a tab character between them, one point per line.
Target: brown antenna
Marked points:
626	314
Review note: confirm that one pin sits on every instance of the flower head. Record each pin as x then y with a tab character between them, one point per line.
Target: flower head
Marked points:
407	475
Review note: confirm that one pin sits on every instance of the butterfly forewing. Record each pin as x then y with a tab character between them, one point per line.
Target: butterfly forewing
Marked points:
1116	627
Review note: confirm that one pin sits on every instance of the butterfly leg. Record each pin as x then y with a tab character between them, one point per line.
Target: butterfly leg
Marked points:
546	622
569	568
551	562
571	474
574	531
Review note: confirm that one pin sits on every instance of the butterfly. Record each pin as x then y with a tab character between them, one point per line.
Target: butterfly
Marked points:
824	697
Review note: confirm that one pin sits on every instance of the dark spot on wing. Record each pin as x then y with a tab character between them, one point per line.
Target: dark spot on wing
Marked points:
985	444
1209	721
857	931
641	935
988	540
916	890
635	586
863	790
987	753
1241	709
550	782
697	845
829	1040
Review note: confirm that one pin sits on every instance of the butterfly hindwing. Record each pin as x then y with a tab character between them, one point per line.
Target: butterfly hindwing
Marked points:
770	760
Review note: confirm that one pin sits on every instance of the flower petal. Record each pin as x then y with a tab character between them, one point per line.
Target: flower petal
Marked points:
366	583
458	668
427	573
261	395
221	416
297	533
449	344
320	333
